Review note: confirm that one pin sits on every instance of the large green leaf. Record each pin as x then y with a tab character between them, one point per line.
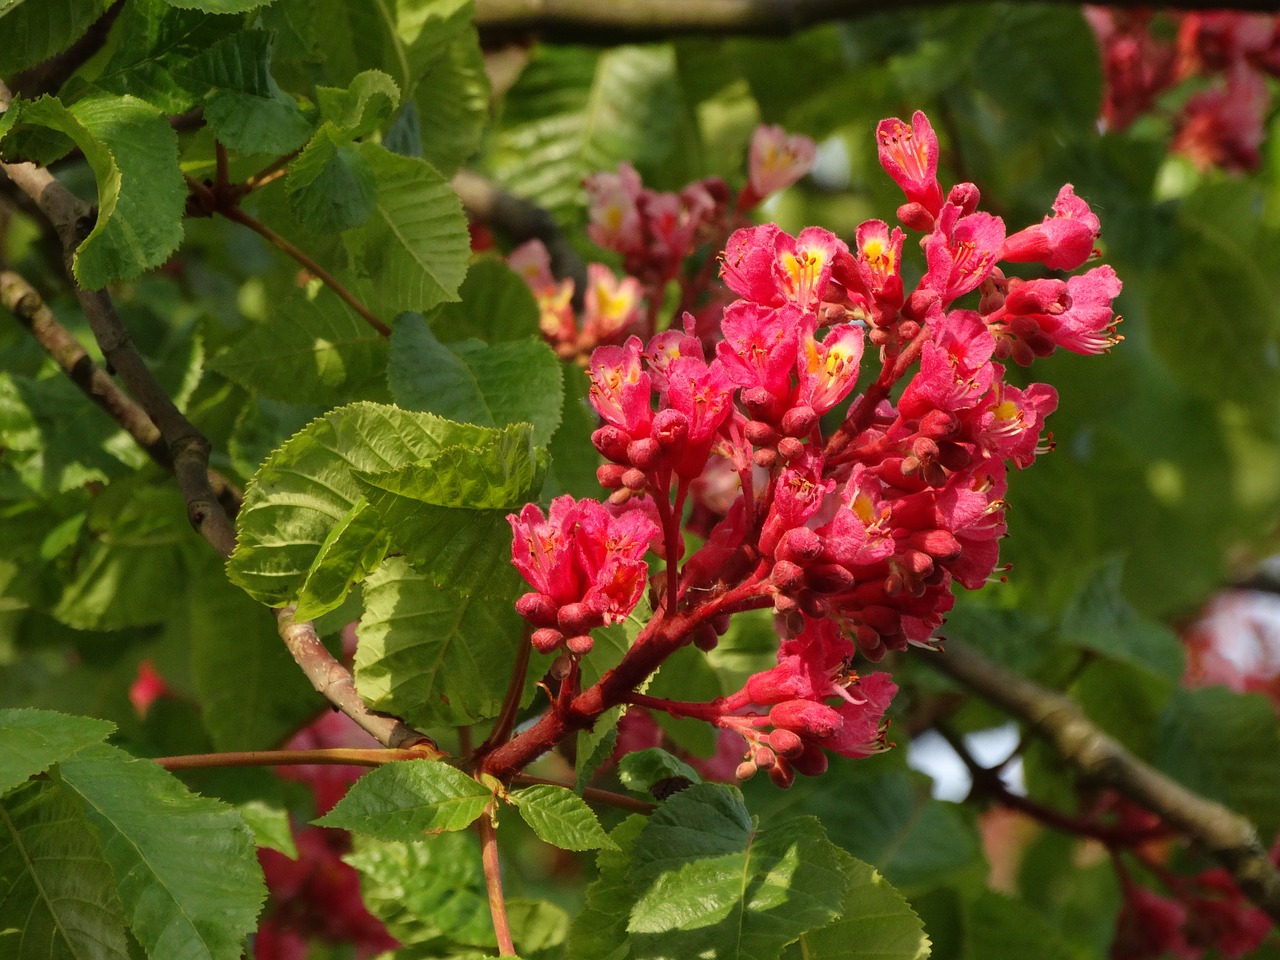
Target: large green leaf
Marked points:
575	112
34	30
243	105
875	923
415	246
31	740
185	864
599	931
560	817
436	655
133	153
452	101
57	894
431	890
219	6
403	801
307	486
1000	928
309	350
709	883
496	305
513	382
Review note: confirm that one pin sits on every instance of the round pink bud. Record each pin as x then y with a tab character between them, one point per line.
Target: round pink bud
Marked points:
938	543
609	475
908	329
634	480
577	618
746	770
799	544
546	639
670	427
538	609
580	645
764	757
760	403
786	744
787	576
785	605
620	496
938	424
828	578
799	421
612	443
789	448
764	458
806	717
705	637
812	762
814	605
878	337
914	216
644	454
965	196
923	448
760	433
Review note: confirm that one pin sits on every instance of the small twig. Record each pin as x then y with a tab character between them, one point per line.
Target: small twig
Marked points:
1098	758
493	883
334	682
505	723
606	797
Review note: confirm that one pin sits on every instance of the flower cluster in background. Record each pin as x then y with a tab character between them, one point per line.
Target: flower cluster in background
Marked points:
1221	59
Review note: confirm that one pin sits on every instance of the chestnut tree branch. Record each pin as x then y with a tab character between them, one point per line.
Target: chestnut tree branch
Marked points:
1099	759
631	21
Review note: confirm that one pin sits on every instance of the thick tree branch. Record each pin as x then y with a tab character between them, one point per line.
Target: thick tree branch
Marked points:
632	21
334	682
25	303
1098	758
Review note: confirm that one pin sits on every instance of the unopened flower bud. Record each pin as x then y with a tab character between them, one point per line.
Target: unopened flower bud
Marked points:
576	618
938	424
538	609
812	762
764	757
546	639
799	421
634	480
764	457
560	667
670	428
786	605
965	196
644	454
760	433
786	744
813	604
620	496
789	448
705	637
908	329
580	645
609	475
612	443
787	576
806	717
720	623
799	544
760	403
746	770
914	216
782	775
828	578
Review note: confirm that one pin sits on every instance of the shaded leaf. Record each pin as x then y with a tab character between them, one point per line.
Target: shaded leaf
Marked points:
133	153
496	305
270	826
57	894
34	30
402	801
185	865
31	740
560	817
514	382
641	769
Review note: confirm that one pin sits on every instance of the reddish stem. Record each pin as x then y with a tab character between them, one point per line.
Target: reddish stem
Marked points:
710	711
493	883
503	726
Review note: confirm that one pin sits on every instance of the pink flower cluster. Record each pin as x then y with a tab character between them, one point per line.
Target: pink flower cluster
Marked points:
851	525
1220	126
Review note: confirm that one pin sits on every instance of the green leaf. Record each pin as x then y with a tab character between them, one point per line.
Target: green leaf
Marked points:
252	694
31	740
351	551
366	104
599	931
439	655
998	927
560	817
1100	619
184	864
34	30
496	305
402	801
220	6
712	884
575	112
452	101
133	153
331	187
415	246
154	42
57	895
427	890
243	106
1223	744
875	923
641	769
270	826
514	382
307	486
309	350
